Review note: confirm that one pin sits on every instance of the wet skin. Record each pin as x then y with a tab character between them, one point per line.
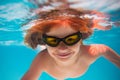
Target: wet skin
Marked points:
68	61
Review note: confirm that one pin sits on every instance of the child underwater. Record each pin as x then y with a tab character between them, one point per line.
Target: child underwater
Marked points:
62	32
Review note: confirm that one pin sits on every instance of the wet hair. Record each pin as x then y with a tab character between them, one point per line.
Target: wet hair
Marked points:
54	19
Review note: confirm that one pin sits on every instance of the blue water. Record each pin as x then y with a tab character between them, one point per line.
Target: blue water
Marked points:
16	58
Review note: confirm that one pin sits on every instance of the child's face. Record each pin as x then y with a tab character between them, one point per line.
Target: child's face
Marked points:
63	52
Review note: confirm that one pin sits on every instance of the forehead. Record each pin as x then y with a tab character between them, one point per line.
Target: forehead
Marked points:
61	31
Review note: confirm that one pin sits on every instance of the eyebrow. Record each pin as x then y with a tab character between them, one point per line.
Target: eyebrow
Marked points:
63	37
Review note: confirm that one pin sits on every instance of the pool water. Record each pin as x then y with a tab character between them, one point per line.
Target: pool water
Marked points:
16	58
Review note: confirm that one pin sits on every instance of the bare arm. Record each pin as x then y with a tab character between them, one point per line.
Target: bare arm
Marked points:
112	56
36	69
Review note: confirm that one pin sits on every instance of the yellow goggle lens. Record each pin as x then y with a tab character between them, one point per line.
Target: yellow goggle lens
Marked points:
51	40
71	39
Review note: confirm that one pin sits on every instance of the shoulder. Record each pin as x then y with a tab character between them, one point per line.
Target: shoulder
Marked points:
41	54
97	49
36	67
39	59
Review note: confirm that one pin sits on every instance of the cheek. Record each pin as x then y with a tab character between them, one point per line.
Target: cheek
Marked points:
75	48
51	50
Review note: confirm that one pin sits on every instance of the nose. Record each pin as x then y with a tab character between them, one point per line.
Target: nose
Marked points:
62	46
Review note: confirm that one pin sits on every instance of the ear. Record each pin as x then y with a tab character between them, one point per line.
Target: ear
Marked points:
86	35
32	39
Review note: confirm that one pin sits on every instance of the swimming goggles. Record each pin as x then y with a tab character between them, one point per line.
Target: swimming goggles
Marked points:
68	40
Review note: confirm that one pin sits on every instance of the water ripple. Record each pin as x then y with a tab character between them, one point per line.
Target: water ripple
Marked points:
13	15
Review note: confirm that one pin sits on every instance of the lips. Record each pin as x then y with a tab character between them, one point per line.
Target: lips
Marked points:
64	55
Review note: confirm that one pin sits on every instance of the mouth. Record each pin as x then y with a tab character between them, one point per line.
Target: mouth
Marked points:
64	55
